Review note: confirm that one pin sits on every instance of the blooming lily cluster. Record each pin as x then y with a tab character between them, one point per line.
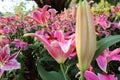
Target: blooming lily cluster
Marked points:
63	35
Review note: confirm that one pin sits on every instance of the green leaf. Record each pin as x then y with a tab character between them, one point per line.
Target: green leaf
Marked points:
118	76
19	77
105	43
52	75
4	79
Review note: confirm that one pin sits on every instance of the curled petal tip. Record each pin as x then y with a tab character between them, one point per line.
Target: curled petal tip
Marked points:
25	35
28	34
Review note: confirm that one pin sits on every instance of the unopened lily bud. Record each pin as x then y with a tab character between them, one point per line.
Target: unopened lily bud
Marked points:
85	36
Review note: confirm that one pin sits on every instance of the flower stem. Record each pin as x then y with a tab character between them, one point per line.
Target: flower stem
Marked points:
63	72
82	76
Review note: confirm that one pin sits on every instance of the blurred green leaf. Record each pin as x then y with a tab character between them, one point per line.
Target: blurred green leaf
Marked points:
118	76
4	79
105	43
52	75
19	77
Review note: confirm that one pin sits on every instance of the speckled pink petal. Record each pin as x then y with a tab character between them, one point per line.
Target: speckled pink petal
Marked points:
10	65
106	77
114	55
90	75
102	63
13	56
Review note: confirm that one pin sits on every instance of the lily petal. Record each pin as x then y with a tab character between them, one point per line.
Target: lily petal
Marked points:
102	63
14	56
106	77
52	13
116	51
11	65
37	16
71	49
90	75
59	35
44	13
52	50
114	55
1	72
5	52
58	52
65	45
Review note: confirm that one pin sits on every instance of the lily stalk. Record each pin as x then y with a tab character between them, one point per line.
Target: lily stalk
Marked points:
85	37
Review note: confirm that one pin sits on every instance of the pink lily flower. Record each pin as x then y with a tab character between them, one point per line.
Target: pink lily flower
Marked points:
106	57
5	30
13	29
116	9
92	76
40	16
7	62
102	20
20	44
57	45
52	14
4	40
